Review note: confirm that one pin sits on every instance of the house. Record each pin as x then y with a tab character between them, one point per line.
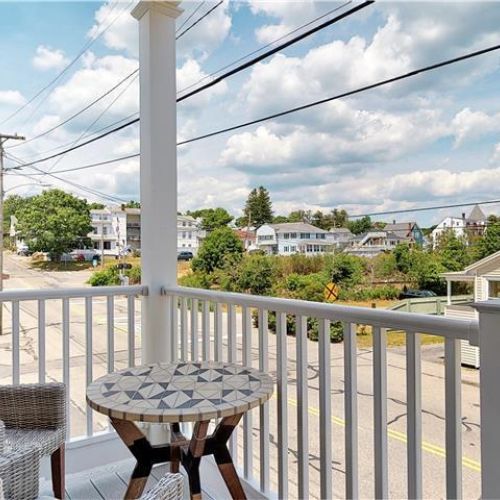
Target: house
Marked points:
189	234
293	237
410	232
340	236
464	227
116	230
373	242
484	278
247	236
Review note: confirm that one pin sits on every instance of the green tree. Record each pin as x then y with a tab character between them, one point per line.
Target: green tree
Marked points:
54	222
132	204
280	219
453	251
490	242
258	208
339	218
403	258
256	275
319	219
96	206
219	245
346	270
11	206
359	226
300	216
212	218
425	271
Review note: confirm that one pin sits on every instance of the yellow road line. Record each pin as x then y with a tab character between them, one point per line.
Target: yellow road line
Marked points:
433	449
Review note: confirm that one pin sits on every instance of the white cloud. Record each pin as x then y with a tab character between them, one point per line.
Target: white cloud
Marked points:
122	30
11	98
469	124
47	58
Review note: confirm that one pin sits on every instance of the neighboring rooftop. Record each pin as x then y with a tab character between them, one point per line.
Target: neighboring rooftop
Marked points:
297	227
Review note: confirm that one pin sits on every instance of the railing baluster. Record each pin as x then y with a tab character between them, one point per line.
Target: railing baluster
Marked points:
380	412
325	408
453	419
65	360
351	410
15	343
302	407
264	409
41	341
218	332
206	331
110	323
248	417
282	393
131	330
184	329
231	341
194	330
89	359
413	410
175	328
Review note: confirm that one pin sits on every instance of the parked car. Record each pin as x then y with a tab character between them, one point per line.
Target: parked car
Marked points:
24	251
416	294
185	255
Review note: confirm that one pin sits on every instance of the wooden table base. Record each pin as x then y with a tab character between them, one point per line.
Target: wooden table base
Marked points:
182	451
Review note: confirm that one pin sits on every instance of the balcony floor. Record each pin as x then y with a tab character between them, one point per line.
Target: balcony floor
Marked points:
107	483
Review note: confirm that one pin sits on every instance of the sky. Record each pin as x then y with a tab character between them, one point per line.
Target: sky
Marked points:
431	140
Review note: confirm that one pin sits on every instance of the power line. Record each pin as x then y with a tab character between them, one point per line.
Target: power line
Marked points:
46	132
344	94
277	49
196	9
270	44
78	113
83	167
66	68
199	19
221	78
423	209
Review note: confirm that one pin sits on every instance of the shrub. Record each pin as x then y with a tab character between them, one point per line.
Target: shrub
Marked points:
385	292
196	280
256	275
105	277
345	269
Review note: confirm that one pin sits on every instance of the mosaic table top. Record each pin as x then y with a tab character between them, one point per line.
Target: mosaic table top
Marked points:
179	392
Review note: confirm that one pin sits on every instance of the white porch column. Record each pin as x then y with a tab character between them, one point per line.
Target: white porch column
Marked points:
448	292
489	373
158	171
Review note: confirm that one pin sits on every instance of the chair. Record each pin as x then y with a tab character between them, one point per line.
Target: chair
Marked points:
19	470
169	487
35	415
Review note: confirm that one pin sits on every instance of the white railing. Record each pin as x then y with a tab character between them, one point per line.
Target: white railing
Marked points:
217	325
71	335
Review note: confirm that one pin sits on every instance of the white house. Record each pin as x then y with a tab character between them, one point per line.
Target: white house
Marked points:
484	276
475	224
115	230
189	234
293	237
340	236
373	242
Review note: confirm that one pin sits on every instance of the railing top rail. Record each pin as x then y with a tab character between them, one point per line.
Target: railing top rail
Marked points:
410	322
59	293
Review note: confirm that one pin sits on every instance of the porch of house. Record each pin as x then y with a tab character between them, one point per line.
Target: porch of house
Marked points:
324	434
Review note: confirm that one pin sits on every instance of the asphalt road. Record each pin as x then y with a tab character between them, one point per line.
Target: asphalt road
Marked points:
432	392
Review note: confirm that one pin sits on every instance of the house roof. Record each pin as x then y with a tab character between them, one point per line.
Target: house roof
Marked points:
476	214
402	229
472	270
343	230
296	227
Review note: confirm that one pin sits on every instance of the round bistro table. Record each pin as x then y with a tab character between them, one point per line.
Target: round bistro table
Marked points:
174	393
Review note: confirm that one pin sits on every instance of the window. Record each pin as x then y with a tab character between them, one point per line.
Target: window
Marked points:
265	237
183	223
293	248
96	245
104	230
494	289
293	235
107	245
95	231
305	236
190	235
285	248
183	235
286	236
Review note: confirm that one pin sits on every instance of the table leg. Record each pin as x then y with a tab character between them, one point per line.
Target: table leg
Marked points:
141	449
223	458
175	444
191	458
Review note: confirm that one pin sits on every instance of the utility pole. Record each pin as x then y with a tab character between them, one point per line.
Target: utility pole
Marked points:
3	139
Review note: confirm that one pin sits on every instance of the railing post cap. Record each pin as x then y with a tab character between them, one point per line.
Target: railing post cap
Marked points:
166	7
487	306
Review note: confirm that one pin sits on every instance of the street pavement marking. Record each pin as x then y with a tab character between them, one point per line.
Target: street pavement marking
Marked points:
433	449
